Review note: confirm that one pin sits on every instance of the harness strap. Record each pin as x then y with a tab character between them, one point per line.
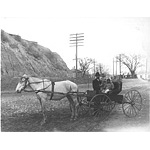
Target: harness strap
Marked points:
52	94
42	90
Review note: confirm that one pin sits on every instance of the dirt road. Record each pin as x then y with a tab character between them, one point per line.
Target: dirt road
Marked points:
21	112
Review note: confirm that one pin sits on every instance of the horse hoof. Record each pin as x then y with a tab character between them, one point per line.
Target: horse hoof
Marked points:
73	119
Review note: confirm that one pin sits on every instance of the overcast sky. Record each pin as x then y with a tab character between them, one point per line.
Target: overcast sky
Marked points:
104	37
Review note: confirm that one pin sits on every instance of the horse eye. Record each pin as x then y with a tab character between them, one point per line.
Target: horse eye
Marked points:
23	79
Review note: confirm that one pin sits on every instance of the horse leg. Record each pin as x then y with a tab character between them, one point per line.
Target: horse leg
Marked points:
71	106
76	107
43	110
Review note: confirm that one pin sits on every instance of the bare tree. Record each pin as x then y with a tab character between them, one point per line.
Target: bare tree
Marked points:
132	62
101	68
85	65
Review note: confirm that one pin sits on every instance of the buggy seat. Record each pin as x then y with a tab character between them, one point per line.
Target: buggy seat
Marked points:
117	87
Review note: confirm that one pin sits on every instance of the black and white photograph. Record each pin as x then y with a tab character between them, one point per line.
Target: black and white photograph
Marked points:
92	80
74	74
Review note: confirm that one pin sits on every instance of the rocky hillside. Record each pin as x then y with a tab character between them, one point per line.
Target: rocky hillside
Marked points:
19	56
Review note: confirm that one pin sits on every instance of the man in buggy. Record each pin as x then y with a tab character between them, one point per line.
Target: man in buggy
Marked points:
102	85
97	83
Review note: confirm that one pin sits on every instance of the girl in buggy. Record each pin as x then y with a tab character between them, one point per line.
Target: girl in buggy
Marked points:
108	86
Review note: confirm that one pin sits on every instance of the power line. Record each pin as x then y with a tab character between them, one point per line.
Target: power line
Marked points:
77	33
78	37
76	41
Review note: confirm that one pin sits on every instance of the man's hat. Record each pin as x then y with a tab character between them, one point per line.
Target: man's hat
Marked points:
97	74
108	80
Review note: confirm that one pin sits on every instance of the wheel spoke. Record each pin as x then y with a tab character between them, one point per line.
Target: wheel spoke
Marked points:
127	98
102	105
127	107
138	101
136	96
134	110
132	104
133	95
97	113
131	111
128	110
137	108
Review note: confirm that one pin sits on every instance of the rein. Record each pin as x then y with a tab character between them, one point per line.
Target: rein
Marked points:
28	83
41	90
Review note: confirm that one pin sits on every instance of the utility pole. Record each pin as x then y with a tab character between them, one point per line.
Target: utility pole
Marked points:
94	66
113	67
120	63
116	66
76	40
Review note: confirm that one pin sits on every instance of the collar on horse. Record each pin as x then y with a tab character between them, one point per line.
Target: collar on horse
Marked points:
43	90
52	94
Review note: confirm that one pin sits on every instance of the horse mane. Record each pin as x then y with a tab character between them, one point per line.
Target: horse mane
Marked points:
39	78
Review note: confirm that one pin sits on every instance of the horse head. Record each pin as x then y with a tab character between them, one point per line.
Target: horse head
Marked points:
23	83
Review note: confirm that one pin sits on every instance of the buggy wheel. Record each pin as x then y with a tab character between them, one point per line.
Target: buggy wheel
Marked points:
83	106
132	103
101	106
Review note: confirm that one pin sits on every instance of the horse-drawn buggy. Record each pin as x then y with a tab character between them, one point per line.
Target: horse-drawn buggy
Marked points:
99	105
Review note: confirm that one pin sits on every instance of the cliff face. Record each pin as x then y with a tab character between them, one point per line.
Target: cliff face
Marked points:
19	56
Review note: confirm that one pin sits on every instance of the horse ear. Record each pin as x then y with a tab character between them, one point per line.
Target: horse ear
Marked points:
24	75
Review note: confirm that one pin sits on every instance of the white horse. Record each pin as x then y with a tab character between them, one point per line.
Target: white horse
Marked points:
48	90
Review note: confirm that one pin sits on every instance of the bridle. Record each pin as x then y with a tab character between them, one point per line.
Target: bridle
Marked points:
28	83
26	80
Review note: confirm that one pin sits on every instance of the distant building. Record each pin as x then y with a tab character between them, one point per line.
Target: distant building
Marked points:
79	73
